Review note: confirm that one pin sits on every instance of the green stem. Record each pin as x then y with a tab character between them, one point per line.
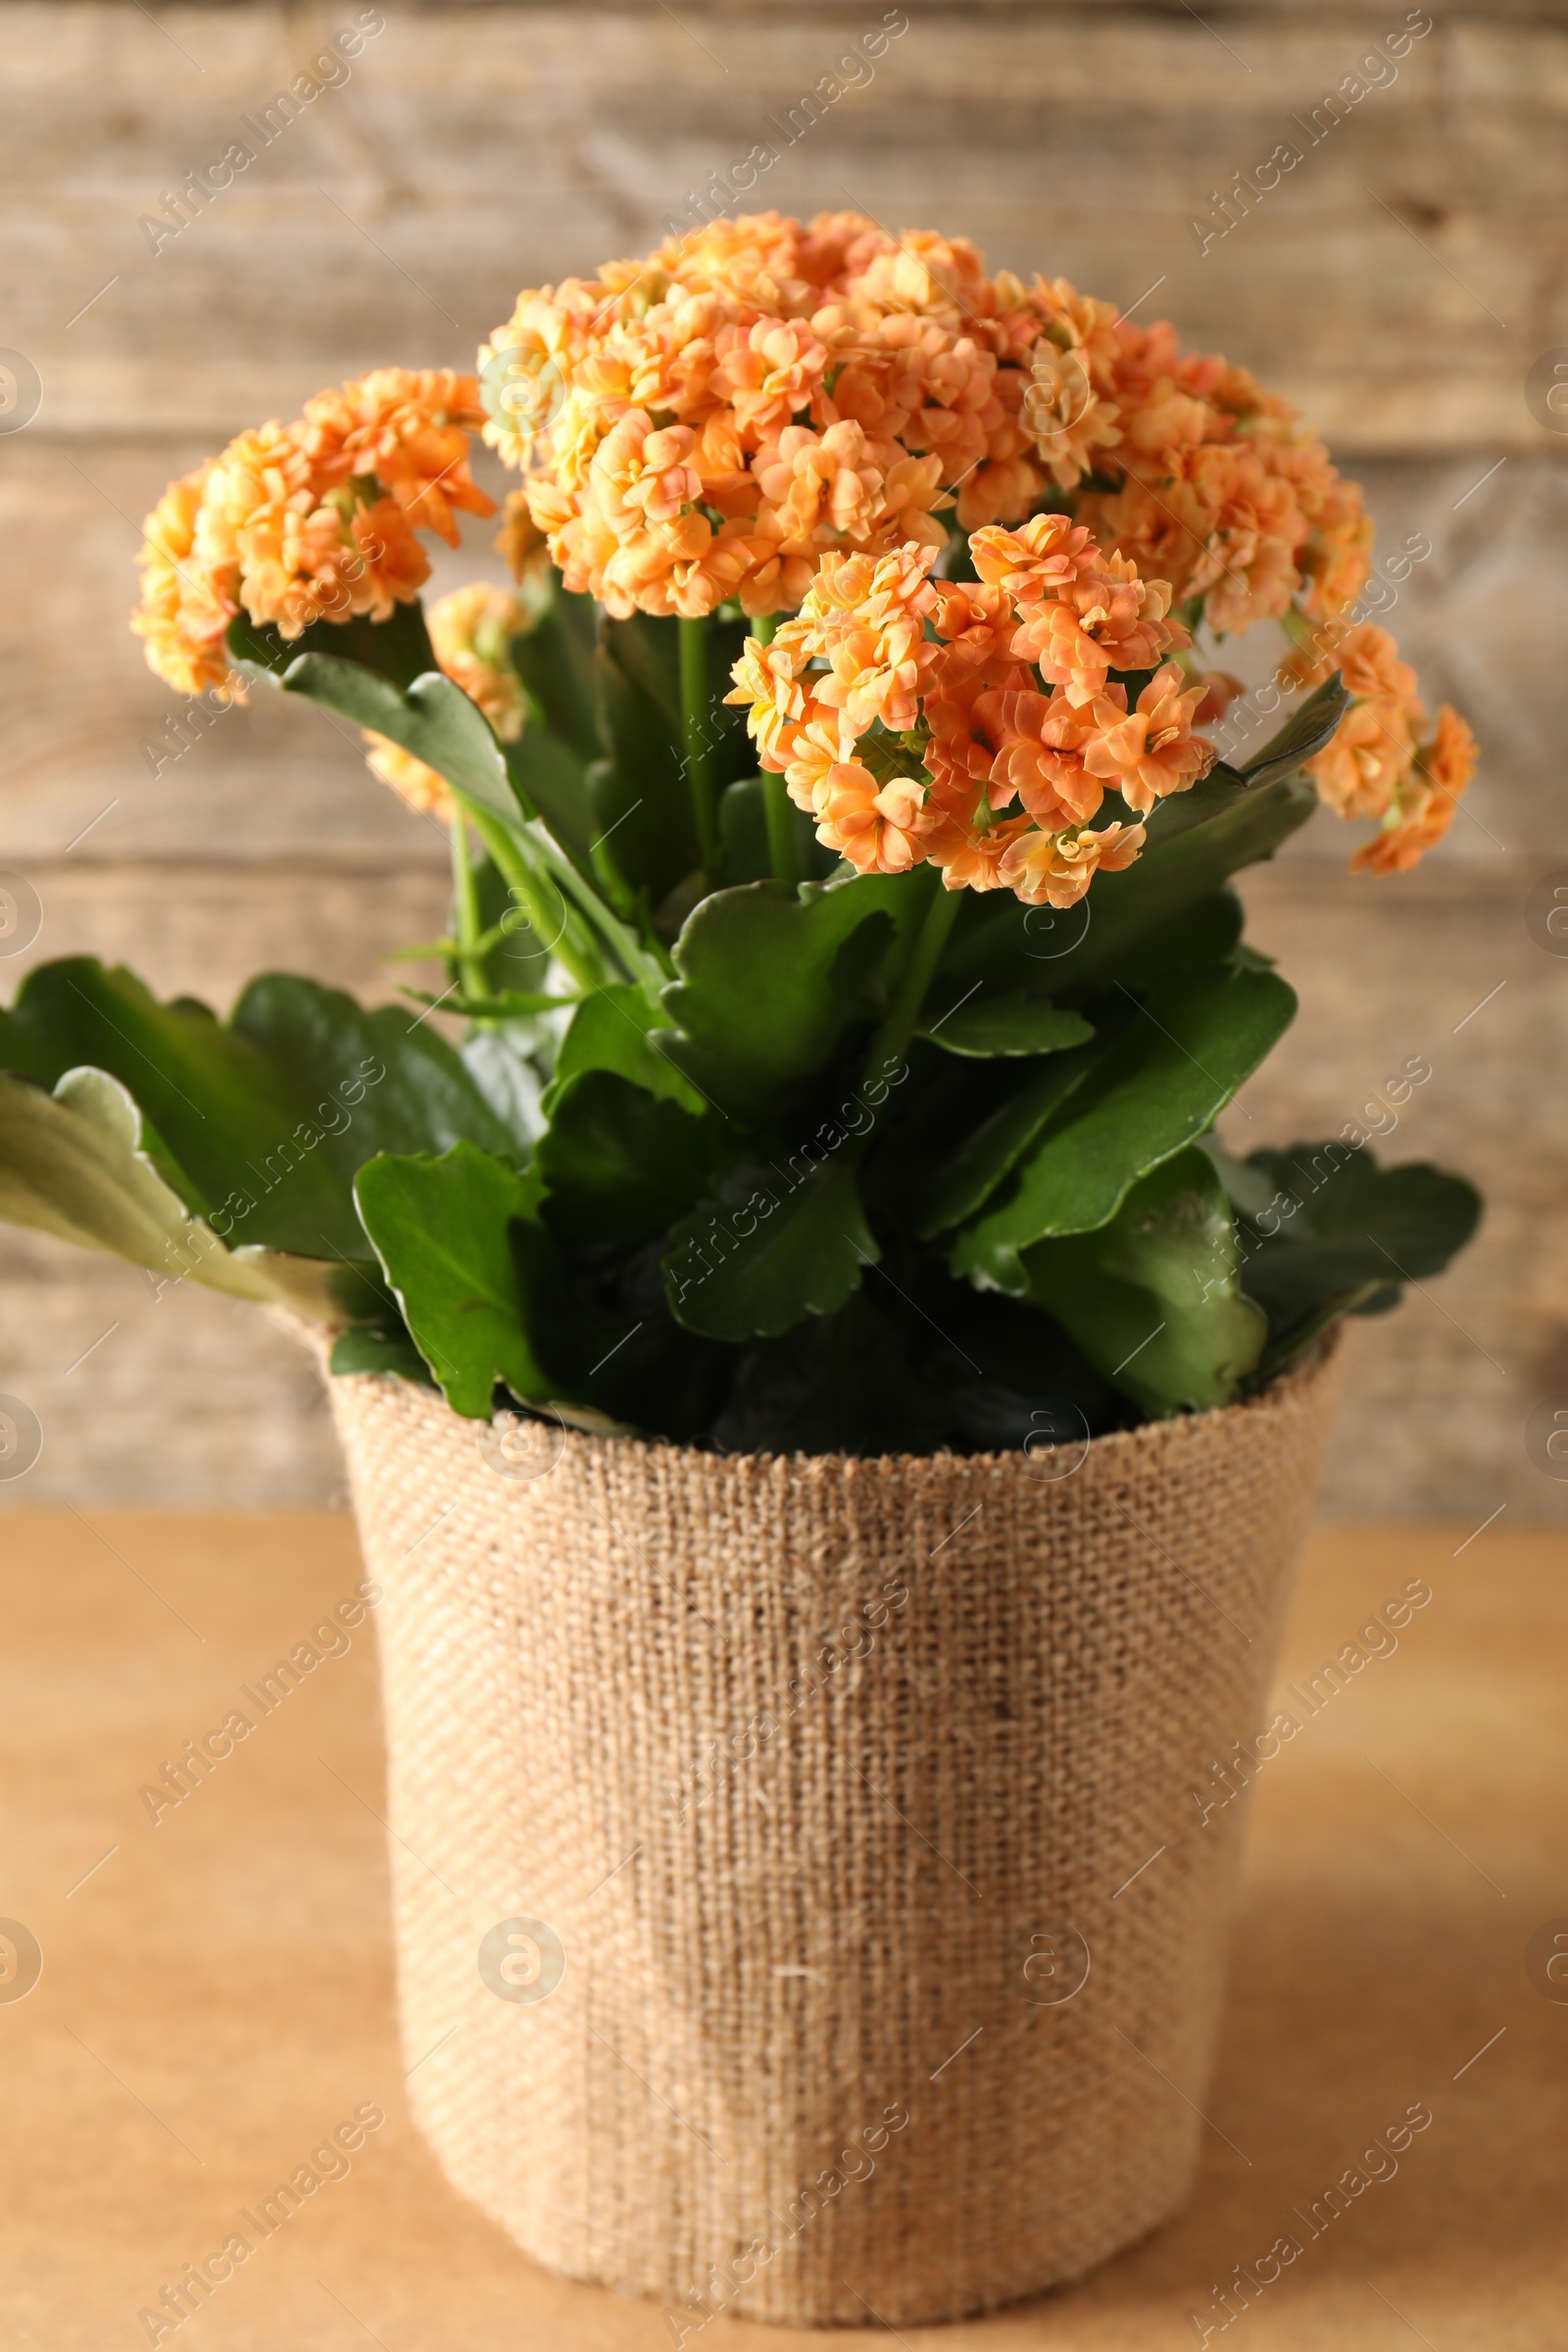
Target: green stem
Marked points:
905	1011
616	953
465	905
529	889
782	854
649	964
698	748
781	842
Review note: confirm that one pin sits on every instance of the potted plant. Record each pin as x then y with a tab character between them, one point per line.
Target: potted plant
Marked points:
831	1423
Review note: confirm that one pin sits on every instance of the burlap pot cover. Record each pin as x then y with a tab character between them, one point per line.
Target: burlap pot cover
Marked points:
809	1901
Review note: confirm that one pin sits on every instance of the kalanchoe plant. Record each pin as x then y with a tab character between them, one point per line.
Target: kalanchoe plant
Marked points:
805	1094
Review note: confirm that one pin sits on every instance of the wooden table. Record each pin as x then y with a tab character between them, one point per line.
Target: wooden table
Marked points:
216	1993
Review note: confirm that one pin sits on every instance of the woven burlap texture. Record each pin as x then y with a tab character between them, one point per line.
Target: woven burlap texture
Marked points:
820	1860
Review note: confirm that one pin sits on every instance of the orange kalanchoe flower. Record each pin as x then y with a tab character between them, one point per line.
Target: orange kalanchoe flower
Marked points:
1044	871
1383	763
1220	488
308	521
768	337
1082	614
956	749
179	616
410	430
1152	751
787	417
1426	800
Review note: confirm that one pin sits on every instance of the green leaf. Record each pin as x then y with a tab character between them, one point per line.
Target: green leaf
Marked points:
1193	936
461	1247
398	648
266	1120
432	718
509	1004
1304	733
417	1092
75	1163
768	1251
1134	925
1161	1084
1325	1230
610	1031
641	802
769	978
618	1163
367	1350
550	780
965	1150
555	660
1154	1299
499	1058
640	795
985	1023
743	836
518	960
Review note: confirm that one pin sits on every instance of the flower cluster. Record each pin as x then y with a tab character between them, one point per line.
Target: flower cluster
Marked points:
985	747
312	520
470	630
706	425
1386	760
810	420
1218	486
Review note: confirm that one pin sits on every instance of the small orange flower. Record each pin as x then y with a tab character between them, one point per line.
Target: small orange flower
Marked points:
1082	614
1427	802
972	856
309	522
867	616
768	371
520	541
1152	752
878	829
180	616
1369	663
1047	869
408	428
1247	570
1381	762
1040	756
1359	772
988	733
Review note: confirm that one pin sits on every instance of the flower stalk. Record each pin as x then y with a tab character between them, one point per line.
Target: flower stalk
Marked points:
465	908
782	853
699	744
908	1000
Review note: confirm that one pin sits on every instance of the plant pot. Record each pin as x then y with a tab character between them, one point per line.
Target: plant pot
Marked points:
897	2002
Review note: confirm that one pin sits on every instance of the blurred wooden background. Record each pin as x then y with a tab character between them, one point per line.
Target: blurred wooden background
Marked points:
1399	285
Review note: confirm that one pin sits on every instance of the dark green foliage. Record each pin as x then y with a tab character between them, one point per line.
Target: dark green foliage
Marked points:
1324	1231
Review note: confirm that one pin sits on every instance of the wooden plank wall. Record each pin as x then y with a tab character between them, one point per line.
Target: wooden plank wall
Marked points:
1399	284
